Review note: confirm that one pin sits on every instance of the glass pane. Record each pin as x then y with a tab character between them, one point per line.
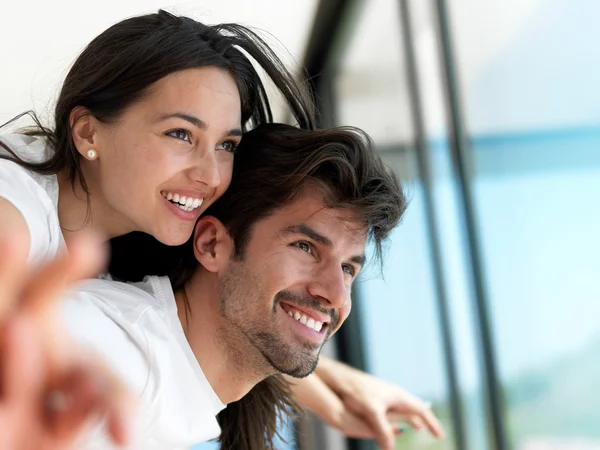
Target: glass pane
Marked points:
371	88
533	109
450	230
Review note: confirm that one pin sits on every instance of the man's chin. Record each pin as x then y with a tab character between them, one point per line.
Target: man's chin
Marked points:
299	368
295	359
299	373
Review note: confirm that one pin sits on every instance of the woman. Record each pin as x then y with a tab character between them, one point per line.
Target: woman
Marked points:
146	126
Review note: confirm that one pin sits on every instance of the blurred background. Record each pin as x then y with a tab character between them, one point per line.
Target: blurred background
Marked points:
488	306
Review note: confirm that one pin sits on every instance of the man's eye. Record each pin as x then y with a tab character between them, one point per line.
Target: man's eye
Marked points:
304	246
349	269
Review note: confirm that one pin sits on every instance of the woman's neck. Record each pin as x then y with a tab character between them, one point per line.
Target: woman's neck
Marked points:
79	211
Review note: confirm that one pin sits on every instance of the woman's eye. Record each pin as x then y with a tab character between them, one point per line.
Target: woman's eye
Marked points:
181	134
228	146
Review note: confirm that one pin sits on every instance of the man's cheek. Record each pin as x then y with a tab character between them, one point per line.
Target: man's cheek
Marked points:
343	315
345	312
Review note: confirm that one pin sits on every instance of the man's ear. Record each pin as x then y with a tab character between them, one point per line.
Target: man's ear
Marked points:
213	247
84	132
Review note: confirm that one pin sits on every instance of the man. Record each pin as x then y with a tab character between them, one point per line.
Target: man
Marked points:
265	281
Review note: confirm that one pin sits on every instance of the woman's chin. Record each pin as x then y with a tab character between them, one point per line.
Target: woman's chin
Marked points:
174	238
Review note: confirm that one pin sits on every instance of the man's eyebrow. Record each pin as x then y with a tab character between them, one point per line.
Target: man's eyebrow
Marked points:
199	123
308	232
359	259
324	240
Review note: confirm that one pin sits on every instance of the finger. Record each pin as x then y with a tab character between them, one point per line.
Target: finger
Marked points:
118	404
89	390
89	253
432	423
417	412
383	429
13	269
84	258
426	420
71	404
119	420
416	422
22	366
355	426
395	415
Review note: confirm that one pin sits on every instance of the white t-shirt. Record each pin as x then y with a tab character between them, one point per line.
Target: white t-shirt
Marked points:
34	195
136	330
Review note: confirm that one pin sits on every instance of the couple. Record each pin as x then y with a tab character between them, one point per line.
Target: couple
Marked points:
264	281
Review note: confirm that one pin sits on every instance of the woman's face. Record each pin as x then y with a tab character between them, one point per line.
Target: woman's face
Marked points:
168	157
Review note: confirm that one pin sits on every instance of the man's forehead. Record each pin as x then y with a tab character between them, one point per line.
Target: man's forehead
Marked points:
309	209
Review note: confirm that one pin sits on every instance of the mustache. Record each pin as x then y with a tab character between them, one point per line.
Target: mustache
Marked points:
309	303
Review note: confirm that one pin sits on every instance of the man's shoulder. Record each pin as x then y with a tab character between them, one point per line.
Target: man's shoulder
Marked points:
125	325
132	325
120	300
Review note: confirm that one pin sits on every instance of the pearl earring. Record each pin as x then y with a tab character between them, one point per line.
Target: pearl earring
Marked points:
91	154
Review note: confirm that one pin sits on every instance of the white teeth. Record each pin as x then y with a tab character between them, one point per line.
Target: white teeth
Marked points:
186	203
309	322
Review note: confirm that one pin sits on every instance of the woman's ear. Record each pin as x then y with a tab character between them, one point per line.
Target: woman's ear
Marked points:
84	132
213	247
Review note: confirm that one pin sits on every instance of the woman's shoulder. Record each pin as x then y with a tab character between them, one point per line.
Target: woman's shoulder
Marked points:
28	148
34	195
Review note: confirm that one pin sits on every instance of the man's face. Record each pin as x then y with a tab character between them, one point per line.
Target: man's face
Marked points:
291	289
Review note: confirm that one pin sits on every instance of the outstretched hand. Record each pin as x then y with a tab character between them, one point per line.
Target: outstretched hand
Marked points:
49	390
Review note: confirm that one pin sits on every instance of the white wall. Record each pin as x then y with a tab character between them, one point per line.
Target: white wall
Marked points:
39	39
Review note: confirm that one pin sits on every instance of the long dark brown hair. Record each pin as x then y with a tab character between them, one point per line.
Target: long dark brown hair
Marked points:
118	66
252	422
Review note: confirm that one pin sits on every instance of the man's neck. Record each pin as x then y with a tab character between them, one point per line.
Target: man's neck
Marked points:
229	362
